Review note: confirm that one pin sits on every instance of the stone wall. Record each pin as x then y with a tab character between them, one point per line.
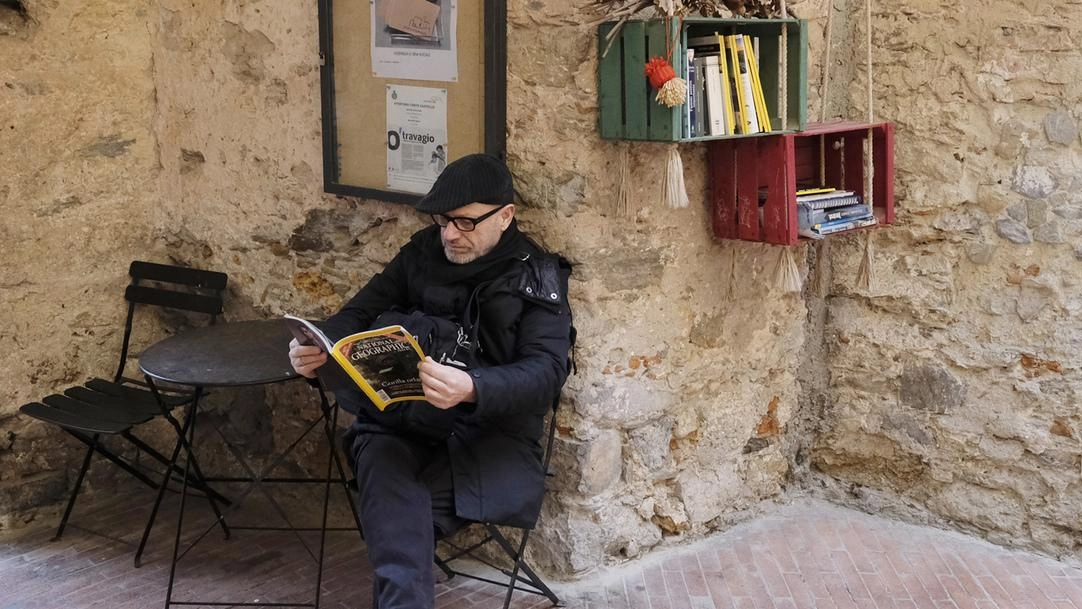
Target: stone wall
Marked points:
955	378
703	390
79	167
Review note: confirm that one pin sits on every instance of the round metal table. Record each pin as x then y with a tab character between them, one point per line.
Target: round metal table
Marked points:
223	355
235	354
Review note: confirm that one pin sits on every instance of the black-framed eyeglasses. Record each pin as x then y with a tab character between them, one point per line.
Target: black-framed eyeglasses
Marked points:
463	223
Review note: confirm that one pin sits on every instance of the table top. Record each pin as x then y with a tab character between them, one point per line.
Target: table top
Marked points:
223	355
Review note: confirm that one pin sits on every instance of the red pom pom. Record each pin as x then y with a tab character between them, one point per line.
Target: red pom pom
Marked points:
659	72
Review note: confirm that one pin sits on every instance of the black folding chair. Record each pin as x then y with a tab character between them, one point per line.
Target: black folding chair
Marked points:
520	576
112	408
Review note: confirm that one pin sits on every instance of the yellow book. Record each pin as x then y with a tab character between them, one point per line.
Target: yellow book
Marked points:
814	191
745	100
726	87
757	86
382	362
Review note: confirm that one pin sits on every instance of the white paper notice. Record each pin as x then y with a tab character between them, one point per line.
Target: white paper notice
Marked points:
415	39
416	137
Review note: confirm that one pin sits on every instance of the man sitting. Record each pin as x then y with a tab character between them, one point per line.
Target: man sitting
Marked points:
471	450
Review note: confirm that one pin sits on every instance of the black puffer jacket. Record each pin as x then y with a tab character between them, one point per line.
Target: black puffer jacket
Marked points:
516	299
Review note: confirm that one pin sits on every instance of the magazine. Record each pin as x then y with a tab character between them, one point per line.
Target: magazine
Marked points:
382	362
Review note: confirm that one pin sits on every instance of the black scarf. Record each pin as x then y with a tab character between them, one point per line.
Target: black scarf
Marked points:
513	244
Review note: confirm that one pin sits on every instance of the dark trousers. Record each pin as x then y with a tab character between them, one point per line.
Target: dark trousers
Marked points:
405	497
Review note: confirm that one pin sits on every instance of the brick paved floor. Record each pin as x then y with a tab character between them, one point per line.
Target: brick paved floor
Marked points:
808	554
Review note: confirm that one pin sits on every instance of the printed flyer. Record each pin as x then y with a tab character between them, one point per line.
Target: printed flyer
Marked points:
416	137
414	39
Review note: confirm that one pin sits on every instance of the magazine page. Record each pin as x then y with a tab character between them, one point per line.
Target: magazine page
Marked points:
331	374
384	363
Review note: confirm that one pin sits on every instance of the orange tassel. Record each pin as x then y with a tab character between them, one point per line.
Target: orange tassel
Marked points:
659	72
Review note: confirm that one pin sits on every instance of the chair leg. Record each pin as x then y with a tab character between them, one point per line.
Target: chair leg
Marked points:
535	580
78	484
330	418
182	442
514	571
442	564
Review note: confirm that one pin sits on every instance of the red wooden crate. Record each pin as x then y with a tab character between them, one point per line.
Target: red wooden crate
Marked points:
744	172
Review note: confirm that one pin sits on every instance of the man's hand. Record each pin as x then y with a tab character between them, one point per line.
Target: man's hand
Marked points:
445	386
306	358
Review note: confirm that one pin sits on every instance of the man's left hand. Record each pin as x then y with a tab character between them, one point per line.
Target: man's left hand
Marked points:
445	386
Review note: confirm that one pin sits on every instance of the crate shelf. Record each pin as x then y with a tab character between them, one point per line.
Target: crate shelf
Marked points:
626	105
753	181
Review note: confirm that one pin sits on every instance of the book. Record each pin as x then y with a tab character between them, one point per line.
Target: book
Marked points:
814	191
699	127
692	108
838	226
829	200
726	88
808	217
757	87
748	121
714	108
381	362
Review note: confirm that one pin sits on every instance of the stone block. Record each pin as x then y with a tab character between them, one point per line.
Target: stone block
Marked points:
1036	212
648	446
708	493
1013	231
1033	297
930	387
601	462
980	253
1034	181
982	507
1060	128
1048	232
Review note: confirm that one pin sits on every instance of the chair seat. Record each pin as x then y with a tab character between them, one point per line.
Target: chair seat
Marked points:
101	406
68	420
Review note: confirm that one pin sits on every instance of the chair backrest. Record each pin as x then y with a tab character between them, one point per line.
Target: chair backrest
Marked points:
174	287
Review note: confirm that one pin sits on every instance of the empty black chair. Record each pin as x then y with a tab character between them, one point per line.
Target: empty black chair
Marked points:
520	576
102	407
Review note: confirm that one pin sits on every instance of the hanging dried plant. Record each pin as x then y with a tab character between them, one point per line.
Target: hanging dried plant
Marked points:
621	10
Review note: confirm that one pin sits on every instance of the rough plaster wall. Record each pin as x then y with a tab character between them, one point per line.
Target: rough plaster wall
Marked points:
672	384
947	386
956	377
78	165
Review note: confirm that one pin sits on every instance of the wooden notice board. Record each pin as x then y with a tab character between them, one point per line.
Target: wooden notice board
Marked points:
355	99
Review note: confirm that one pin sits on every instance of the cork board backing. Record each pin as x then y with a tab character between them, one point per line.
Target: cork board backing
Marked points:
354	99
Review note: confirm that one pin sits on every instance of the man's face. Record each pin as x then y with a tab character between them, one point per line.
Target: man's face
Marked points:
462	246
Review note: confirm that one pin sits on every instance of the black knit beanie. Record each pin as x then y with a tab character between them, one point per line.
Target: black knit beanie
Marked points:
474	178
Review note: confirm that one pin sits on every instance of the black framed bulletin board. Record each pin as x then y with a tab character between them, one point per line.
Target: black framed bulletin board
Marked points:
408	86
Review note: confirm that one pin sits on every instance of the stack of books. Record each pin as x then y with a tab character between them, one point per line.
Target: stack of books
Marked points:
825	211
725	96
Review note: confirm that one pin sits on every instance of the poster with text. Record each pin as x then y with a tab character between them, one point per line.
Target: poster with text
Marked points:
415	39
416	137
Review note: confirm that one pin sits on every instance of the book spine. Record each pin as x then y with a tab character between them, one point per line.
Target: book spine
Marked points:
744	89
826	203
689	115
821	194
808	217
837	227
726	86
713	95
699	92
757	87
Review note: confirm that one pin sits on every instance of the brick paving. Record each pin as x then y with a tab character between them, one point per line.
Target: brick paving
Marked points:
805	555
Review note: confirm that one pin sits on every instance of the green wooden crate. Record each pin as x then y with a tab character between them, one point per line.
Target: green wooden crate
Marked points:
626	106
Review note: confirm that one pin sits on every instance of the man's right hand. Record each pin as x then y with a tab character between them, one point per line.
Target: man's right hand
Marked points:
306	358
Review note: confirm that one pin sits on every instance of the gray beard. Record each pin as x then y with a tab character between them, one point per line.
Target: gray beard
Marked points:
459	258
